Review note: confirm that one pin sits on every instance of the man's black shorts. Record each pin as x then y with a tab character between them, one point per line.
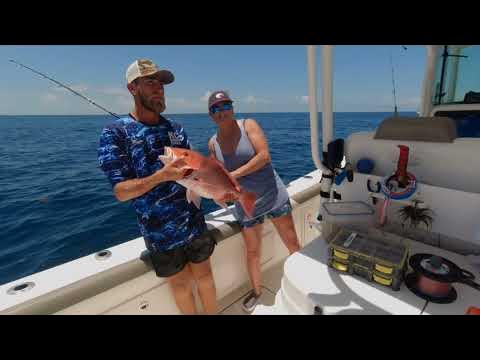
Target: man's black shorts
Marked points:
170	262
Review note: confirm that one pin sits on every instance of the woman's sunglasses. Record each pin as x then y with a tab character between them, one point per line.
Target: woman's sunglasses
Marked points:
215	108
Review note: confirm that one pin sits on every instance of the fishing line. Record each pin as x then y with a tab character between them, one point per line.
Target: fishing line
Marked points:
66	87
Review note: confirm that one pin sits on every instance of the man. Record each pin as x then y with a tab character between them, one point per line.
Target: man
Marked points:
173	229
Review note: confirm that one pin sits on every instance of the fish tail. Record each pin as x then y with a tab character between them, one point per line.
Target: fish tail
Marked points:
247	200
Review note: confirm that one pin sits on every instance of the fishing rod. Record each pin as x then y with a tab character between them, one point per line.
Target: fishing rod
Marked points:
66	87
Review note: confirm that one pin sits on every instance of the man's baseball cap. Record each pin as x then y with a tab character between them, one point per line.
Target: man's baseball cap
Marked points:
146	67
218	96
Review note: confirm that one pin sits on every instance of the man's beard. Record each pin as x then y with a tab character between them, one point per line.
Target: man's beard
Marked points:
154	106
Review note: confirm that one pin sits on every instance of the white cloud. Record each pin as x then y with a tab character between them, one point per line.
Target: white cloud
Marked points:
205	97
303	99
251	99
78	87
114	98
124	103
116	91
50	98
177	101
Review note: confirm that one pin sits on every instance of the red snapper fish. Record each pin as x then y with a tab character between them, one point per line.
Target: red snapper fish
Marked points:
208	178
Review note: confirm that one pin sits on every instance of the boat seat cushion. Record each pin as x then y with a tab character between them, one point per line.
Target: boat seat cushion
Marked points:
428	129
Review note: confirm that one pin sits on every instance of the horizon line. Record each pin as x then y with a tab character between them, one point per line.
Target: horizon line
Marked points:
205	113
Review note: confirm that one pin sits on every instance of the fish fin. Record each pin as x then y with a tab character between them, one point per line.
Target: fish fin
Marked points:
192	196
247	200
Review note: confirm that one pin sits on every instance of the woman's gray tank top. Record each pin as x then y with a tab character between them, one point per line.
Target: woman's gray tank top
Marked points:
265	182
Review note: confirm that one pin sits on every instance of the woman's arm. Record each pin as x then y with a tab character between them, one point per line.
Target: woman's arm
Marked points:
260	144
211	149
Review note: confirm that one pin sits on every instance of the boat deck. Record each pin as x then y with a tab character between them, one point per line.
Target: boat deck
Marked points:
231	304
338	293
309	281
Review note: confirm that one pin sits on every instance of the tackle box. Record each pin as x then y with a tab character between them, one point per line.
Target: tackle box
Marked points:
375	255
348	212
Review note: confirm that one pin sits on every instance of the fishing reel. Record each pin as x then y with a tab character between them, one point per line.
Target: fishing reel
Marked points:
333	159
336	173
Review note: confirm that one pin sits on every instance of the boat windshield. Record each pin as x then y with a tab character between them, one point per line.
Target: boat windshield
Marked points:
457	79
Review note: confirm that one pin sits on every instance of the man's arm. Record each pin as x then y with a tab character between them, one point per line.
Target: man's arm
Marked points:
130	189
114	161
260	144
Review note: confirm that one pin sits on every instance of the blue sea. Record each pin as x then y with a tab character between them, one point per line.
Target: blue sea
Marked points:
56	205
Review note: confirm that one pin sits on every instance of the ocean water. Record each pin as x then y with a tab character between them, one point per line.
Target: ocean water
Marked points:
56	205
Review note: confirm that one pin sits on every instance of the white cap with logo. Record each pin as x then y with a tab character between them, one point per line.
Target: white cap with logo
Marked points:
145	67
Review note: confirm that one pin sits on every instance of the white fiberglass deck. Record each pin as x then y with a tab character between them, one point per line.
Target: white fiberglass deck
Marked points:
271	280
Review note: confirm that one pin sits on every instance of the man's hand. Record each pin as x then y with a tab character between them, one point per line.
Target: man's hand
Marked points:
133	188
175	170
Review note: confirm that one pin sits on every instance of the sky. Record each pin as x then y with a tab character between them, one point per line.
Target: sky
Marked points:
259	78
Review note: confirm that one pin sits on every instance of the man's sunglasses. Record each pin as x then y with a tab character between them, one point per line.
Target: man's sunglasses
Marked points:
215	108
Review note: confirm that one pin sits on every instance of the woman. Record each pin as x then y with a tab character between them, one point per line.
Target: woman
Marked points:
242	147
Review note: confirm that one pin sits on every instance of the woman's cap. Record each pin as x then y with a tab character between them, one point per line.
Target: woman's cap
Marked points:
218	96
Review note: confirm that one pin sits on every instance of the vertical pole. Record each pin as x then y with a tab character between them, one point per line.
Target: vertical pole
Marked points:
327	119
429	81
327	92
312	105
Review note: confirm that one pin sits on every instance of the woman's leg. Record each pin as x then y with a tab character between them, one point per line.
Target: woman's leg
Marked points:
286	229
253	241
202	273
181	284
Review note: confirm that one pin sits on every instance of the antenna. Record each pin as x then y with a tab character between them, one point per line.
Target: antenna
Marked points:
395	111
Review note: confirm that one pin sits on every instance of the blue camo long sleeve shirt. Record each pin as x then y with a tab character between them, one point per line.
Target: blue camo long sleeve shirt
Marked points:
129	149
